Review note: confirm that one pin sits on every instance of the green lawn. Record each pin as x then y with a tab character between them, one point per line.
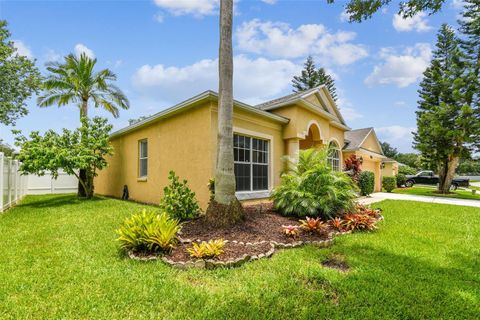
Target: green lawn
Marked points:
430	191
59	260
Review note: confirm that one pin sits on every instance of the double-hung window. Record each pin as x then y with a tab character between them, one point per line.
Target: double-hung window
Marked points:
251	157
142	158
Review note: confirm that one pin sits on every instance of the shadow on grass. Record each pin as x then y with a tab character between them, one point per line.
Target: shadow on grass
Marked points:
55	200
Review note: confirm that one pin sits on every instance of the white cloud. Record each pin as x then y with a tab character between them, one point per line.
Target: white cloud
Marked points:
159	17
81	48
278	39
255	80
347	110
344	16
401	104
401	69
22	49
418	23
458	4
269	1
398	136
194	7
52	56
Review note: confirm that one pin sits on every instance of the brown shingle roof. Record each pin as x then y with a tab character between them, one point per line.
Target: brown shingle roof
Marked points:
284	99
354	138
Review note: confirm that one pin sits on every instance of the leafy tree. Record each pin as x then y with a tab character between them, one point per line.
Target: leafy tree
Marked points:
133	121
410	159
75	82
19	79
388	150
469	166
84	148
6	149
310	78
448	125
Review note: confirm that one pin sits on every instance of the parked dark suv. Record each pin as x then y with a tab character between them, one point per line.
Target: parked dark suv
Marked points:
427	177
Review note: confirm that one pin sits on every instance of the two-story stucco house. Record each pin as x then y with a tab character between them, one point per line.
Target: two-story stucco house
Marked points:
183	138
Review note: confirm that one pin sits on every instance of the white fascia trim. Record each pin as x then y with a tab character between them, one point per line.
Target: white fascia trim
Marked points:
188	103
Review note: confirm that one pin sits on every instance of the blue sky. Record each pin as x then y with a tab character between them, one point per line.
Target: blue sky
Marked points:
164	51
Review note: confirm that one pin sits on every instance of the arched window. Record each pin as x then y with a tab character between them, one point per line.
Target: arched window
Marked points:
334	156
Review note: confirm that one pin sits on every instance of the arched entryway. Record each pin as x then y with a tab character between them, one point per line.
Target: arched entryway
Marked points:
312	139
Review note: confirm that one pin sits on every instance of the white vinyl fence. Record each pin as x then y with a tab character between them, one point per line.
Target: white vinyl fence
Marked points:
14	186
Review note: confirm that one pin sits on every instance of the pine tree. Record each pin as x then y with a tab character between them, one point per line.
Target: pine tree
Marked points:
308	78
447	124
327	80
470	43
311	78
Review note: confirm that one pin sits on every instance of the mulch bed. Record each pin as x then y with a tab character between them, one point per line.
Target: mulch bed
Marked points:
261	224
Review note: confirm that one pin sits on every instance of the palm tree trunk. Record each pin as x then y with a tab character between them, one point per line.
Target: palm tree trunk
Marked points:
82	191
225	208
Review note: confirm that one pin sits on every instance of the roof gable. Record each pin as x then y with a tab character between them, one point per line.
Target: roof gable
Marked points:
364	138
318	97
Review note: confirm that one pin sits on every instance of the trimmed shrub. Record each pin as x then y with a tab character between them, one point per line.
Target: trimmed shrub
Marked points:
389	183
401	180
178	200
406	170
366	182
311	188
149	231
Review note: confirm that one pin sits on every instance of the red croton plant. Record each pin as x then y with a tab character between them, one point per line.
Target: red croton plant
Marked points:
353	166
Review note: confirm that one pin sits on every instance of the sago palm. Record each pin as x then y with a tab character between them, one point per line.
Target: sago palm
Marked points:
75	82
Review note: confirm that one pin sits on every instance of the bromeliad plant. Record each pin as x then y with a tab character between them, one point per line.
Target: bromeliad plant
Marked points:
149	232
312	225
207	250
337	224
356	221
312	188
291	231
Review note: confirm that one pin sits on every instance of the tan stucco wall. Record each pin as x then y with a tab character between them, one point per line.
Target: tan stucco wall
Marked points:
369	164
181	143
390	169
253	125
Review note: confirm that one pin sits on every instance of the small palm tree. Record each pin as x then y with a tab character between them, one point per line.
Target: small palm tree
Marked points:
75	82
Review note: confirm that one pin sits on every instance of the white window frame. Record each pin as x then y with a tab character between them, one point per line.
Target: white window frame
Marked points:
269	166
334	158
140	158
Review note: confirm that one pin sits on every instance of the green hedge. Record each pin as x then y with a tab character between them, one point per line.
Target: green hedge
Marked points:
366	183
389	183
401	180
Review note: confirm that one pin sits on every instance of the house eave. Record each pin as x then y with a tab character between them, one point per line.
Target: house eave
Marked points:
190	103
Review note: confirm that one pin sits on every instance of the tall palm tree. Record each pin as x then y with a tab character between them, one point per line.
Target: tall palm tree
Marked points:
225	209
75	82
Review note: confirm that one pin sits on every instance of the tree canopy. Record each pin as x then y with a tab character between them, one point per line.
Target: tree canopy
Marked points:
19	79
447	119
388	150
84	148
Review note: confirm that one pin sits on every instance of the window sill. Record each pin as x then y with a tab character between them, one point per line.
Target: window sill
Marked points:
142	179
251	195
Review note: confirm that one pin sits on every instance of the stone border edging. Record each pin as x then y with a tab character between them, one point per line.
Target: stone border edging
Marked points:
213	264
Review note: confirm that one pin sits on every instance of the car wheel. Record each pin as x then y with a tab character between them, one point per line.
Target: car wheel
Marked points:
454	186
409	184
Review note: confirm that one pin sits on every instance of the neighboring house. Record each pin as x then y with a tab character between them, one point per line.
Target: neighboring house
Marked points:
389	167
183	138
365	145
